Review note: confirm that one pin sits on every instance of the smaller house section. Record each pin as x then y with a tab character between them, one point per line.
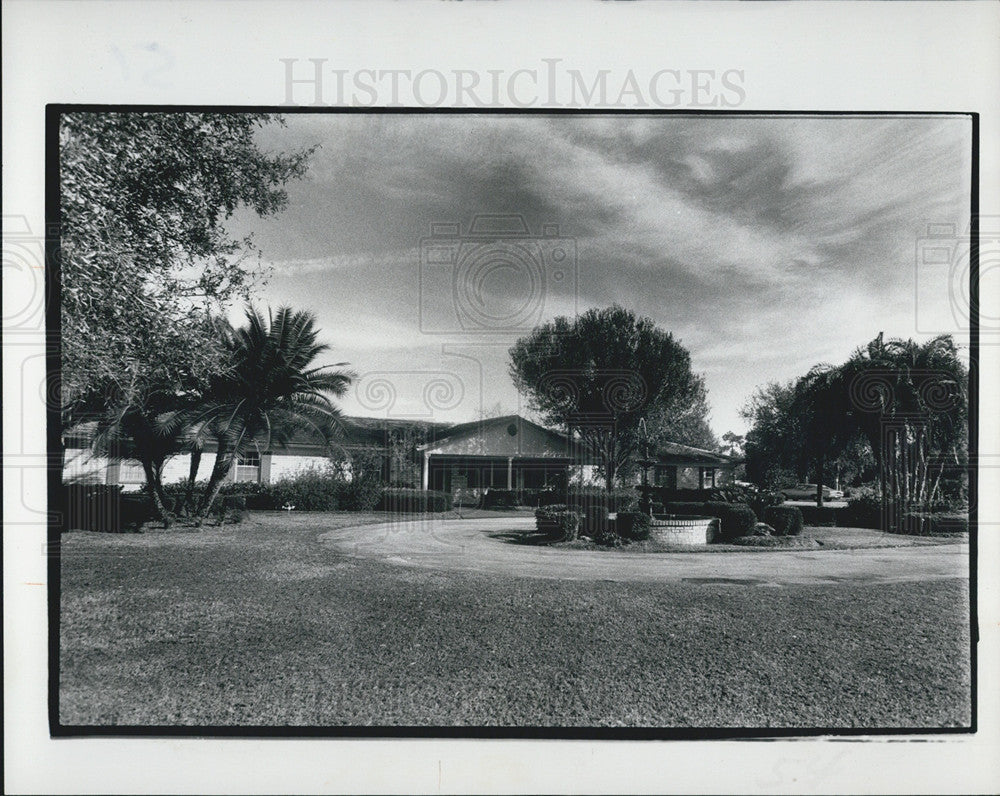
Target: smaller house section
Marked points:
684	467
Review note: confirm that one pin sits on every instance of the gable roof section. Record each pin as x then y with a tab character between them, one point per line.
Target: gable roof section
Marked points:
676	454
509	435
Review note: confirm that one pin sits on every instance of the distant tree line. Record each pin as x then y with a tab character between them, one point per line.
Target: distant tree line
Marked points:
895	413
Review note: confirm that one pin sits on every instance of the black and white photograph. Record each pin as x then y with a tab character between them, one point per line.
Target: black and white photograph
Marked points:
500	397
494	421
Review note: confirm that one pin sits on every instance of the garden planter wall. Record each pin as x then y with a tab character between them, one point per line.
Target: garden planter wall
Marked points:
675	529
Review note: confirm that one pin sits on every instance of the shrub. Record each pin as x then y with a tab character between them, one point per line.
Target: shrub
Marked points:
136	511
91	507
558	520
615	500
609	538
735	519
402	501
309	490
500	499
632	525
361	494
786	520
864	508
595	520
230	508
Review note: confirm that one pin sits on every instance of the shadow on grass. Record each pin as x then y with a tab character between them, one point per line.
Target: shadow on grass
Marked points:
531	538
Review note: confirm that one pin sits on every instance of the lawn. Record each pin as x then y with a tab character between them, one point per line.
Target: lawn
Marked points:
259	624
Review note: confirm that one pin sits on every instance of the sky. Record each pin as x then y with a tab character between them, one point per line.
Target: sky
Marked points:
765	245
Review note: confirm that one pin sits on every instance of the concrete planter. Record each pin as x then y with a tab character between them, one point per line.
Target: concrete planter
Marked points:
679	529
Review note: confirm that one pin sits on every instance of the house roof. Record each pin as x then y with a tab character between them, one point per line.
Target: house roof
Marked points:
675	453
373	432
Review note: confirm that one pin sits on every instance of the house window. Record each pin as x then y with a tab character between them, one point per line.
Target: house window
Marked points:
130	472
248	468
707	477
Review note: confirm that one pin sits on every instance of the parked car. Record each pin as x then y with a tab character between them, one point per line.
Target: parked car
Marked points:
808	492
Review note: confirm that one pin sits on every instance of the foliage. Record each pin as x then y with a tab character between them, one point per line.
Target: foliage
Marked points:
362	490
632	525
401	444
402	501
599	374
686	421
270	391
558	520
684	508
786	520
922	391
899	405
580	497
145	258
735	519
309	490
920	523
595	519
500	499
864	507
772	443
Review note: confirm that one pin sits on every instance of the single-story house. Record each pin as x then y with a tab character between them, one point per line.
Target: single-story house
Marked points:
509	452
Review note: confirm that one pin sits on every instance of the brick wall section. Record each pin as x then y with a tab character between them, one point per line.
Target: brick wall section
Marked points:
686	531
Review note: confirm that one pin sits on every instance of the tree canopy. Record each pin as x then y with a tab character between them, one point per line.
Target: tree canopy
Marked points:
145	258
598	374
896	404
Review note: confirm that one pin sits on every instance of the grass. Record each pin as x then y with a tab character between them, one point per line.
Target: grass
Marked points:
260	624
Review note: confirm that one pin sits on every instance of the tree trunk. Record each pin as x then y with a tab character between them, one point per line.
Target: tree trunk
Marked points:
156	491
223	462
819	480
188	505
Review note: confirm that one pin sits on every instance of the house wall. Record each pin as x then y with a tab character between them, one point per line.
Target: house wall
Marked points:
286	466
80	467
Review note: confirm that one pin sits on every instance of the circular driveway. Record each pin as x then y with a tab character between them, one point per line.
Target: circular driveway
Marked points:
488	545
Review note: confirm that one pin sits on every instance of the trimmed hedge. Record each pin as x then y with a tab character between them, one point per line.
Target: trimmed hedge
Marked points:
735	519
824	515
500	499
558	520
401	501
632	525
615	500
786	520
102	507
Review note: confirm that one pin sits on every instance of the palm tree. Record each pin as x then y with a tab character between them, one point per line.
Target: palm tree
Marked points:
911	402
151	429
270	391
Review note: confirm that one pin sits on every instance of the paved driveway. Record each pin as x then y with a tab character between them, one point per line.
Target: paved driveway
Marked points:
484	545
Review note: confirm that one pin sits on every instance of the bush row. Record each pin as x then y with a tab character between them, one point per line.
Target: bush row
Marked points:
318	490
567	523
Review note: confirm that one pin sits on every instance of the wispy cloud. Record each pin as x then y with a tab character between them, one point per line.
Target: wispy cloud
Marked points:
765	244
